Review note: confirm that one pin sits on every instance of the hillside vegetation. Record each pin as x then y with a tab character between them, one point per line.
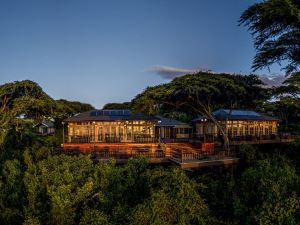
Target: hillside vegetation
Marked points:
39	187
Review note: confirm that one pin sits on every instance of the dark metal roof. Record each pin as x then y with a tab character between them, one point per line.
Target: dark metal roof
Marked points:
46	124
163	121
223	114
109	115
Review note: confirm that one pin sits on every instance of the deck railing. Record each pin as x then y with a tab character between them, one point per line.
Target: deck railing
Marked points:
180	156
175	140
176	153
210	138
244	138
80	139
100	154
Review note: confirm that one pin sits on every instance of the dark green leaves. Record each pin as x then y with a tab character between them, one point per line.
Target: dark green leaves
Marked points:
191	94
275	25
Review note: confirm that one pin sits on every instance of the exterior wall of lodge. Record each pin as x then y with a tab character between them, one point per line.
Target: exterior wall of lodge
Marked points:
145	131
171	132
239	128
110	131
182	132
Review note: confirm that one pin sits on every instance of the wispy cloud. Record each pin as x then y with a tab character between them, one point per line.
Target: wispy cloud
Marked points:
169	72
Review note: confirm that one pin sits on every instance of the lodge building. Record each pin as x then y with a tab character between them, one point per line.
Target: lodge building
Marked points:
125	126
110	126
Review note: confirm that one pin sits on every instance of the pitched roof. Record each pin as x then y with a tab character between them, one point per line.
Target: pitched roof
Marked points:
163	121
46	124
109	115
223	114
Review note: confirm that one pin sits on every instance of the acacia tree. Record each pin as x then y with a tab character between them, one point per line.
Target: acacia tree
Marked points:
123	105
20	98
201	94
287	102
153	99
294	81
275	26
204	92
65	108
25	97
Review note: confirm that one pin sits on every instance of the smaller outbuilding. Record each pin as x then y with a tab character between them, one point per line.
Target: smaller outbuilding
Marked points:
45	128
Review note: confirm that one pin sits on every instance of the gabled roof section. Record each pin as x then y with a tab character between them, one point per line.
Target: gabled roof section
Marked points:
110	115
164	121
237	114
48	124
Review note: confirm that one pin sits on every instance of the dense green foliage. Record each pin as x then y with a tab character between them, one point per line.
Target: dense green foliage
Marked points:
27	99
23	99
124	105
66	108
68	190
275	25
201	93
41	188
286	105
38	186
187	96
23	104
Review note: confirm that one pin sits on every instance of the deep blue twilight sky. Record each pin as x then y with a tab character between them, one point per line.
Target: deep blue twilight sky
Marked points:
100	51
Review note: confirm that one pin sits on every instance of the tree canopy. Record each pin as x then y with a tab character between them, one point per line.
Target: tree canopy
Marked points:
72	190
25	98
40	187
201	93
275	26
60	189
65	109
124	105
23	104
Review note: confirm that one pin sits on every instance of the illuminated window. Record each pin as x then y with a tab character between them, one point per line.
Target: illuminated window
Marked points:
256	130
241	130
235	131
247	130
266	131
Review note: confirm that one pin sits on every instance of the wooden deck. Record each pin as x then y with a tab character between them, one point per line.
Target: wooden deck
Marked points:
186	155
